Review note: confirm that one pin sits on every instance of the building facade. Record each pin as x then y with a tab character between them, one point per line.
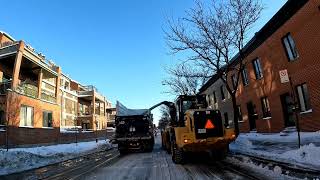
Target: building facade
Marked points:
37	99
280	86
218	98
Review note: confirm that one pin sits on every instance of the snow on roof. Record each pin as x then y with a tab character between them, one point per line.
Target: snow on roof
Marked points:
124	111
8	35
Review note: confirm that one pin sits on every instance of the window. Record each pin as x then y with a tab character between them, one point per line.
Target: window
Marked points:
290	47
214	97
245	79
240	118
303	97
47	118
2	118
234	81
265	107
209	99
222	93
226	119
257	68
26	116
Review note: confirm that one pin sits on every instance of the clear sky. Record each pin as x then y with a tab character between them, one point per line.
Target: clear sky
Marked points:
116	45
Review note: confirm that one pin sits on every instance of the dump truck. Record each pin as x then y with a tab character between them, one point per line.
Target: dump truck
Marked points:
195	128
134	129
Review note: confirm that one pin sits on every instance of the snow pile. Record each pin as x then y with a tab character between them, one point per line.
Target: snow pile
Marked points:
261	170
306	154
20	159
281	148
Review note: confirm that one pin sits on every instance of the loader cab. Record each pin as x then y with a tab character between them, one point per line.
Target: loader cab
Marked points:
185	103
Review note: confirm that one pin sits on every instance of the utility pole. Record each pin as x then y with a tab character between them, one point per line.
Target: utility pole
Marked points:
295	111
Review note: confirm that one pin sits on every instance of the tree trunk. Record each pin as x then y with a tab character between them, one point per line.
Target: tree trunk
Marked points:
235	114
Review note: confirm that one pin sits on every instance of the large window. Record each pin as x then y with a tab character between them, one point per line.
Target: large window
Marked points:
265	107
47	118
26	116
257	68
303	96
290	47
245	79
222	93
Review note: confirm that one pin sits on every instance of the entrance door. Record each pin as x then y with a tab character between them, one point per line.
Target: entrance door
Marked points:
251	115
288	110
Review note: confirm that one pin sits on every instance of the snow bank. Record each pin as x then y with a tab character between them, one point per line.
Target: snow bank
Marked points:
281	148
20	159
306	154
261	170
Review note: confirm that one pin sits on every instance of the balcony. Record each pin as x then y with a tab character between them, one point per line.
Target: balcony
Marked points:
48	97
4	86
28	89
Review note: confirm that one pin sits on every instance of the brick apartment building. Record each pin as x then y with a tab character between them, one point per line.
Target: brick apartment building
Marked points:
36	98
289	41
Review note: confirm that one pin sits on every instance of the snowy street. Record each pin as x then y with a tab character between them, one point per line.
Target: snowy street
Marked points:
108	164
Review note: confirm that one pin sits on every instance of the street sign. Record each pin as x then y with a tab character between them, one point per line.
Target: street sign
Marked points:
284	77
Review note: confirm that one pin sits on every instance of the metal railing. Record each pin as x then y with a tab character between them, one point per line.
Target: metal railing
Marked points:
4	86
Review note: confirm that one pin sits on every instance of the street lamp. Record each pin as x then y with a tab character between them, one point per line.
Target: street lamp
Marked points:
76	128
96	122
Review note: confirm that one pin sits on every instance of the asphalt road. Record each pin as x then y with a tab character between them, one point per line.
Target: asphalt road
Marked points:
158	165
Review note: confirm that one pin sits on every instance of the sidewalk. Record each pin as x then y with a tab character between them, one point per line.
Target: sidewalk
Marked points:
281	147
20	159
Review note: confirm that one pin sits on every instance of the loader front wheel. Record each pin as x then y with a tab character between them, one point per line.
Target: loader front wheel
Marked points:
177	154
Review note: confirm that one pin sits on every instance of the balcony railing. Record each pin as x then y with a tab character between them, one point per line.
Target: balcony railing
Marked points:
48	97
4	86
28	90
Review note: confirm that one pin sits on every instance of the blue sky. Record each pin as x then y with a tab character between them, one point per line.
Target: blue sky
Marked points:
116	45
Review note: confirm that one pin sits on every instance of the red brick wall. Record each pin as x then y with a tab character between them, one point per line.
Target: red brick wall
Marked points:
15	101
18	136
304	27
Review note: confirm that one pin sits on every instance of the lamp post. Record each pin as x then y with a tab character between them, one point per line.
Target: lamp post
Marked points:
96	122
295	111
76	129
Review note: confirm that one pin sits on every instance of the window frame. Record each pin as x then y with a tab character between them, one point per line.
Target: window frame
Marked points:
47	111
245	77
257	68
240	116
214	97
234	80
266	109
223	97
306	100
26	116
292	47
226	119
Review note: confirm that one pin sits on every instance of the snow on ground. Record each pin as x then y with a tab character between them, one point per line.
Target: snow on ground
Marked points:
275	173
20	159
281	147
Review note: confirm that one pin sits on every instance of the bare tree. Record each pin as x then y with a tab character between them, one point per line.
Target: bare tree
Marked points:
165	117
183	80
213	37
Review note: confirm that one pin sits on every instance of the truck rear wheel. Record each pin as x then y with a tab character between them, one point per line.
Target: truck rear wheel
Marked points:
177	154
